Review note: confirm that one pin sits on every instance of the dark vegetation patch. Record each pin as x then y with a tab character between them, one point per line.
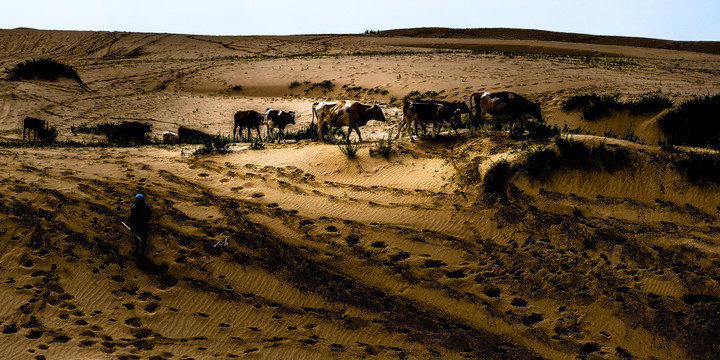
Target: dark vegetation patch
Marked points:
417	95
325	86
456	274
580	155
532	319
700	168
214	144
595	106
303	133
496	176
43	69
693	123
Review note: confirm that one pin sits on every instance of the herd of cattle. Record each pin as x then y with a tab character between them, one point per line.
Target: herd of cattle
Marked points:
350	113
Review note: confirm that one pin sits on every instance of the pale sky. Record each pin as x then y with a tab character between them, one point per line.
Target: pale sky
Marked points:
664	19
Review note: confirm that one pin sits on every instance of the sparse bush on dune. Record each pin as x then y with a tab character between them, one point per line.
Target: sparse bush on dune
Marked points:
496	176
591	106
303	133
383	147
325	85
349	148
693	123
539	162
649	103
700	168
416	95
297	83
595	106
580	155
43	69
215	144
47	134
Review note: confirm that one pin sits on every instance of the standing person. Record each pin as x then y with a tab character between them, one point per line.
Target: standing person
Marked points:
140	225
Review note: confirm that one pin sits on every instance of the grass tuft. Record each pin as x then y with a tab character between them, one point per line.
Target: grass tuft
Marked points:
383	147
349	148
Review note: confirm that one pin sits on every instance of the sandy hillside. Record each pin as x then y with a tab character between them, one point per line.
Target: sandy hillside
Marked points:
405	257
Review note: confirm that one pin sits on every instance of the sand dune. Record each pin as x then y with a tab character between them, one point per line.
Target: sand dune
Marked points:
330	257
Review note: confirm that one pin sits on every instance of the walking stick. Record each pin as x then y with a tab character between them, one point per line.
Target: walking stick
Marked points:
128	227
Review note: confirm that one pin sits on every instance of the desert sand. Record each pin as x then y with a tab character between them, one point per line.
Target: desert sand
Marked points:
377	258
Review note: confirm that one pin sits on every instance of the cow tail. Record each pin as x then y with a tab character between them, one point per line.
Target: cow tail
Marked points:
312	120
471	107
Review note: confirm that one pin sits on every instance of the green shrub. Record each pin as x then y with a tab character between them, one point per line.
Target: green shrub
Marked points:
221	142
44	69
349	148
693	123
700	168
383	147
305	132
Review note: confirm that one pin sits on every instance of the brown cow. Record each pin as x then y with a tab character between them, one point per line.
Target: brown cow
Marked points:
34	125
428	113
346	113
278	119
502	103
464	109
247	119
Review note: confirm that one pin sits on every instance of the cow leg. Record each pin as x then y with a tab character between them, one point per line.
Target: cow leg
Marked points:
400	125
357	130
409	129
258	131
